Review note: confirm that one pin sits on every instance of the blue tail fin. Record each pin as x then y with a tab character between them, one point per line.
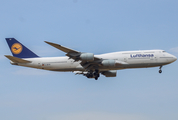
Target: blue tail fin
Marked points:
19	50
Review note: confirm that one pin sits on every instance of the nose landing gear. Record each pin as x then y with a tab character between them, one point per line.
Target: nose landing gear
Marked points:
160	71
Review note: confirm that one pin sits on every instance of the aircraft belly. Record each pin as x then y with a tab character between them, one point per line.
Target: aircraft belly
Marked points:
144	65
136	65
65	67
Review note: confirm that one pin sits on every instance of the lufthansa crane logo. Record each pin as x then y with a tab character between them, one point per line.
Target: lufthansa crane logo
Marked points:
16	48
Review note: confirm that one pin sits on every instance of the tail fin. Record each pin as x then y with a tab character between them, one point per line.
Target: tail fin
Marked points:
19	50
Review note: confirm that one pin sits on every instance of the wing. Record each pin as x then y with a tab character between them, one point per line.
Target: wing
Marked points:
62	48
69	52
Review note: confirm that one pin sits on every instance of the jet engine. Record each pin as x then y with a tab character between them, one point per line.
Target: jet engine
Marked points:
110	73
108	63
87	56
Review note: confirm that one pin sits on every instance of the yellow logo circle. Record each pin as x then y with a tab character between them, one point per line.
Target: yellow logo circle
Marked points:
16	48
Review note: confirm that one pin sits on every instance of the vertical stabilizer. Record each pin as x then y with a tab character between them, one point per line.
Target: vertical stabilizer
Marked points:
19	50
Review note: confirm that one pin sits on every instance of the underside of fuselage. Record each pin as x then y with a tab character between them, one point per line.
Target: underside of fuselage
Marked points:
101	68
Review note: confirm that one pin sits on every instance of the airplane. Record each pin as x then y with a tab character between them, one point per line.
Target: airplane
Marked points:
88	64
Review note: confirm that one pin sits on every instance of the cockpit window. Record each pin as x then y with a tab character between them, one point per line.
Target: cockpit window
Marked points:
164	51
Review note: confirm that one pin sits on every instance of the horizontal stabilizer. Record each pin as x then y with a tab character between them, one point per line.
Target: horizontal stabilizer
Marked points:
17	60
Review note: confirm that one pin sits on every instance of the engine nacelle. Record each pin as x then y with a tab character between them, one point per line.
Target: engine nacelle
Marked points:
110	73
87	56
108	63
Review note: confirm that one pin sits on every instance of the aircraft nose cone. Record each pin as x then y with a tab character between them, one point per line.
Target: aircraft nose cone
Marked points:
174	58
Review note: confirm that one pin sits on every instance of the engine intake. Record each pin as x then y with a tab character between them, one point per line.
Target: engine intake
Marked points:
108	63
87	56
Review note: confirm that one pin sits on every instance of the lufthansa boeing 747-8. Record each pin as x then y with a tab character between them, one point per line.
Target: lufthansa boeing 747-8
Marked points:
88	64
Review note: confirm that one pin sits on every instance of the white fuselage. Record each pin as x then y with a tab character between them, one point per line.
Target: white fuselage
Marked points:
127	59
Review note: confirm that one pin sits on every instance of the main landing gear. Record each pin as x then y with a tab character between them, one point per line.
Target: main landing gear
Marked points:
92	74
96	74
160	71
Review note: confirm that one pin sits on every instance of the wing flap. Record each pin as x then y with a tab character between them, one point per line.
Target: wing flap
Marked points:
17	60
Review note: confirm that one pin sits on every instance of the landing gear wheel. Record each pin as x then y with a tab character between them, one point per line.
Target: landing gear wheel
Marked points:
160	71
96	74
89	75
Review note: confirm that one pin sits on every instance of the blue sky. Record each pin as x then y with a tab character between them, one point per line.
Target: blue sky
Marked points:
99	26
